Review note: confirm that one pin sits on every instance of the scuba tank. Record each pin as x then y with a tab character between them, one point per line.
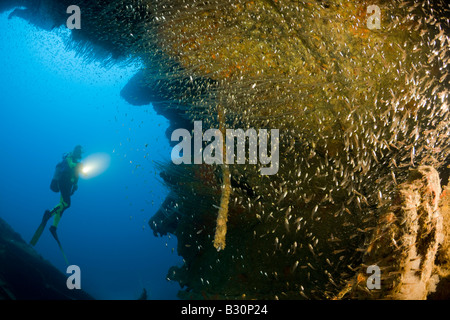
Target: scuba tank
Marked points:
61	168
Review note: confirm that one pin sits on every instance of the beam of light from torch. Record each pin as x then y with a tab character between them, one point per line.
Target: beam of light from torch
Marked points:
94	165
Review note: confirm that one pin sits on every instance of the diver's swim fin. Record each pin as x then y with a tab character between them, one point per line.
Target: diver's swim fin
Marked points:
55	235
41	228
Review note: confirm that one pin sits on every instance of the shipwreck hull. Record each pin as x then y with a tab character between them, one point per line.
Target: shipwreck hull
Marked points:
356	109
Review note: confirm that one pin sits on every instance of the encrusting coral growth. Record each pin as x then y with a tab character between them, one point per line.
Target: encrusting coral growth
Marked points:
406	242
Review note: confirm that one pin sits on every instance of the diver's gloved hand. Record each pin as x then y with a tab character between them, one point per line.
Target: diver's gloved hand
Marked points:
74	188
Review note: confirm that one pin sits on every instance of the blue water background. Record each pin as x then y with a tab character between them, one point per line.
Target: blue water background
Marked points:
52	100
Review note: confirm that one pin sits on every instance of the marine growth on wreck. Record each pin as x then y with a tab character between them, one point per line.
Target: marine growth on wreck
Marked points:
357	109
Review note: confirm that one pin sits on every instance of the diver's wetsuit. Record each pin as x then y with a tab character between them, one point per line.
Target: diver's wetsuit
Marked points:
67	183
65	188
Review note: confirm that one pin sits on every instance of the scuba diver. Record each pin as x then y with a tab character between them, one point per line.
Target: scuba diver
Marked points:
65	181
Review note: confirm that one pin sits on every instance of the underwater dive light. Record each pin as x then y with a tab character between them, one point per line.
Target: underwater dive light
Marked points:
94	165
